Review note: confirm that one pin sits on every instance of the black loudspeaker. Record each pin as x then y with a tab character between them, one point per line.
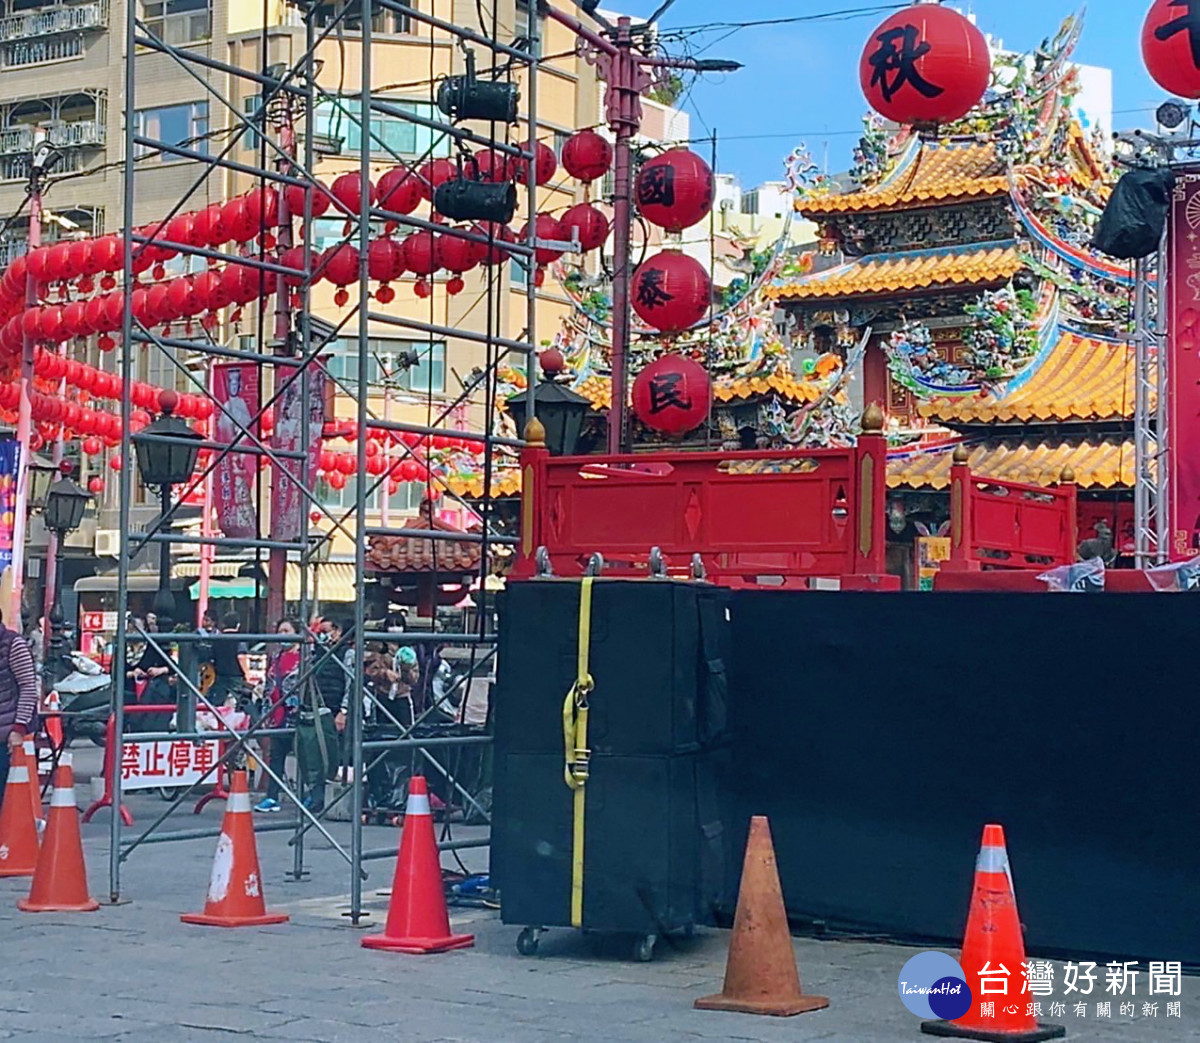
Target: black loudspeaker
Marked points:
466	98
658	657
654	847
461	199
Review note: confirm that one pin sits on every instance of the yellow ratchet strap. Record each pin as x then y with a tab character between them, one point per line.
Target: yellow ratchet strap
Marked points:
576	752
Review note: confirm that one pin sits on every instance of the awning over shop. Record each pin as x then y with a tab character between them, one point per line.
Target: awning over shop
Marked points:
332	581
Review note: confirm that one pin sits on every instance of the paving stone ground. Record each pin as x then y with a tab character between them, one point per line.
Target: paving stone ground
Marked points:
134	973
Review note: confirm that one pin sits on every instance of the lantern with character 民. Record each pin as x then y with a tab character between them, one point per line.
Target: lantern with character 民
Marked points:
925	65
672	395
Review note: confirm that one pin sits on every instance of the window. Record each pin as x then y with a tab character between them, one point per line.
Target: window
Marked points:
522	28
381	21
518	273
427	375
390	136
183	125
178	21
252	110
560	140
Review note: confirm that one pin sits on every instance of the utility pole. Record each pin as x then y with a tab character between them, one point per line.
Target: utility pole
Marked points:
41	157
627	73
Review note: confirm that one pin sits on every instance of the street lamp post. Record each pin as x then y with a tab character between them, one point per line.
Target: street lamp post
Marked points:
166	455
63	511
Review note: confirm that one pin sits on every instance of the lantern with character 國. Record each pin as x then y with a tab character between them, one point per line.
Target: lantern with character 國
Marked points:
925	65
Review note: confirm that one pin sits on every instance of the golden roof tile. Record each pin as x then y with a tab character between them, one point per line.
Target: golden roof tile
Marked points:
1102	463
937	173
1082	378
987	264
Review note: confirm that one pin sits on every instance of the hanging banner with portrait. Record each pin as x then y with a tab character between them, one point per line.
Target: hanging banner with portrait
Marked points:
300	391
235	394
10	457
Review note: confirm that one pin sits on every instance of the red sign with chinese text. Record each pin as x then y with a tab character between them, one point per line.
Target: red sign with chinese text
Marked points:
1183	345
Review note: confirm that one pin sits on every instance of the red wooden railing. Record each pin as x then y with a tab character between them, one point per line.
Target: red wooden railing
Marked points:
1009	525
770	518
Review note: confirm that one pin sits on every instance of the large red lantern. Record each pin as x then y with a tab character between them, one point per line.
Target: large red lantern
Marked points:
589	223
675	190
385	261
295	196
925	65
340	264
420	253
400	190
435	172
671	291
672	395
586	156
499	234
545	164
1171	47
347	190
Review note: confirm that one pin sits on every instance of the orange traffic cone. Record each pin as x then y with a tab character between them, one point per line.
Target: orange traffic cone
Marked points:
235	897
54	728
993	946
29	748
417	919
761	976
60	881
18	829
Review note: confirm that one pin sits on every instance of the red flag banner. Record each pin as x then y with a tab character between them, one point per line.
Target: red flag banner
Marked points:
235	392
288	504
1183	303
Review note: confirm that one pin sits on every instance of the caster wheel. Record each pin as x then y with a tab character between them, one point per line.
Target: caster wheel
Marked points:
643	948
527	941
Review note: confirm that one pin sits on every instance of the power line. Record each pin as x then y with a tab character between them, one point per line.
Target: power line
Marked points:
842	15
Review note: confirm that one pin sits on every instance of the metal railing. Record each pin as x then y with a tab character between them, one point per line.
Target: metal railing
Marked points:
54	20
76	134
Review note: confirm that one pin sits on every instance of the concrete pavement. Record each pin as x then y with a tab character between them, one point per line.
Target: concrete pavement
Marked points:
134	973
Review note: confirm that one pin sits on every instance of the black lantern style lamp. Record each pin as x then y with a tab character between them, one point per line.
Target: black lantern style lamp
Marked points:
560	409
167	450
63	510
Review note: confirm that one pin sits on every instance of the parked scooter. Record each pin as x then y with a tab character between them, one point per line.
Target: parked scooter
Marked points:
85	698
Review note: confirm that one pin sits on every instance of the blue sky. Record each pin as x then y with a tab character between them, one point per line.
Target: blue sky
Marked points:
800	82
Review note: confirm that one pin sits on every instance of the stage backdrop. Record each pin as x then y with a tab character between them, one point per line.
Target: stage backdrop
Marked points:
881	732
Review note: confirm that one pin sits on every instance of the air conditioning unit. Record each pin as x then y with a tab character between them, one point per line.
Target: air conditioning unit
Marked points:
108	543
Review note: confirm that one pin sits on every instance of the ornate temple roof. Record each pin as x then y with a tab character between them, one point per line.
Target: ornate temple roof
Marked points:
930	173
978	264
1098	464
1081	378
413	555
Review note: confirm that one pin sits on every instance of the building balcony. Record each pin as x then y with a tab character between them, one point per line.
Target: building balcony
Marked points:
77	134
54	20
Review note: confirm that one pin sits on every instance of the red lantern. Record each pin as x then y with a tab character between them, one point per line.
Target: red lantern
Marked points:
37	263
92	446
1169	48
490	166
675	190
385	260
340	264
671	291
495	254
58	262
236	218
295	196
75	320
210	223
96	485
116	463
347	190
420	254
925	65
590	225
552	362
107	252
459	255
79	255
182	297
546	165
672	395
400	190
293	258
586	156
548	227
434	173
346	464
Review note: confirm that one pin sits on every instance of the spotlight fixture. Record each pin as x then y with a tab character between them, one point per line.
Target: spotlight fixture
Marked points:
461	199
1171	115
468	98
